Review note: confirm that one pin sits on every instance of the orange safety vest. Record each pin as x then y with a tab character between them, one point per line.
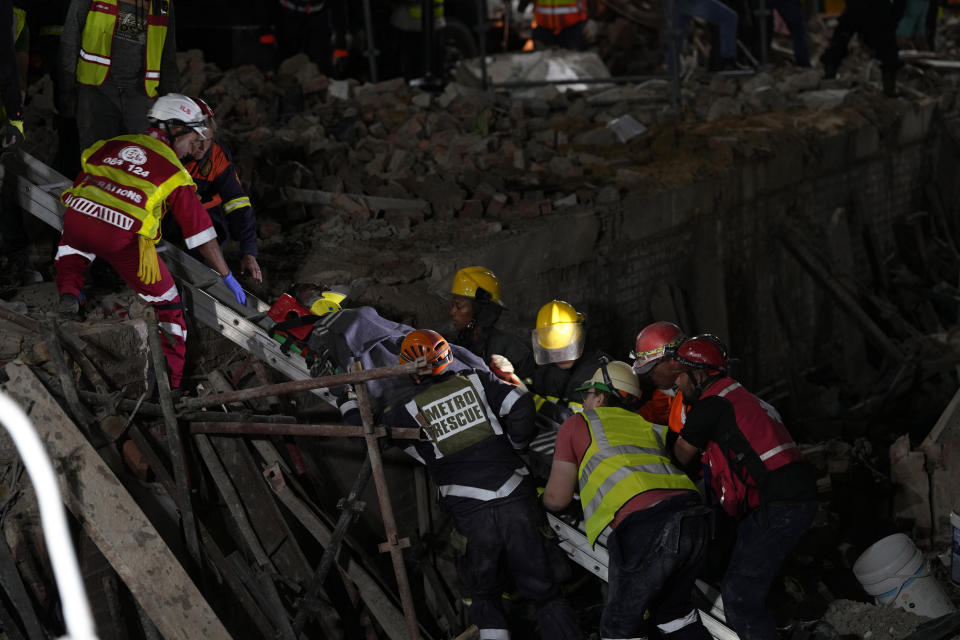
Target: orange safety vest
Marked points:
557	15
96	44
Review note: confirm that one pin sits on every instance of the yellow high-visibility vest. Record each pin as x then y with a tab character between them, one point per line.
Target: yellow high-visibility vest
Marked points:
96	44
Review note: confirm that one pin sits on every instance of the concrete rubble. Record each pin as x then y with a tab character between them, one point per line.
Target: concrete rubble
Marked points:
386	188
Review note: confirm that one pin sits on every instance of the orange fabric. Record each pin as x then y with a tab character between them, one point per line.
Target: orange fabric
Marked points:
657	408
678	412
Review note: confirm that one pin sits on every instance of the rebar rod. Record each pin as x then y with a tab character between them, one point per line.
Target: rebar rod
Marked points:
295	386
271	429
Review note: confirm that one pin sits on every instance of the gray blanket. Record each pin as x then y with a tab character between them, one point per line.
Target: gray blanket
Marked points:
364	335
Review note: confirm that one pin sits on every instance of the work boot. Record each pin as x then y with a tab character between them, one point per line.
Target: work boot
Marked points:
69	306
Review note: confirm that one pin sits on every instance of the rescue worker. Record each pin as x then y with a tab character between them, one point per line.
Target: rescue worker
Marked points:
318	29
659	527
114	208
652	363
14	48
876	24
558	349
116	57
222	195
475	307
473	425
409	40
558	23
756	472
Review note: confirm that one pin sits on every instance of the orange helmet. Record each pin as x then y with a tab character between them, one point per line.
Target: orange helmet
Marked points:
432	345
654	343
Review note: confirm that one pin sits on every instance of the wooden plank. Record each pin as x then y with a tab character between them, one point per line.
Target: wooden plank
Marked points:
113	520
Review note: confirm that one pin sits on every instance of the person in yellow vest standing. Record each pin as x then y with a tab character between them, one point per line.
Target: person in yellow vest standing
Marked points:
658	526
559	23
114	210
116	57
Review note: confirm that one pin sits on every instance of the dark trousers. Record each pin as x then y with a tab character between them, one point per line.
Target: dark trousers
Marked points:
876	24
757	555
513	535
655	555
570	38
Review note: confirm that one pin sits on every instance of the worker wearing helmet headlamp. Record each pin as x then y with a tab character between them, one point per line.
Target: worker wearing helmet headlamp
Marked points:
653	363
114	208
475	306
657	526
563	364
756	473
472	426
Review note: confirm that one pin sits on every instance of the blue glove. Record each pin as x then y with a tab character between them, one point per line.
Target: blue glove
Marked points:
235	287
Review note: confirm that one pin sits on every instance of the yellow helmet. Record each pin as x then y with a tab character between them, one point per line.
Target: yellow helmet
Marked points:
328	302
614	377
478	283
559	333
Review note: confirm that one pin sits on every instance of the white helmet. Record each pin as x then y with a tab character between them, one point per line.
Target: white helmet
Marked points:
176	108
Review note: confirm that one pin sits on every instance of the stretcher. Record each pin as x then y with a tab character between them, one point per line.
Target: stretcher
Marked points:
209	301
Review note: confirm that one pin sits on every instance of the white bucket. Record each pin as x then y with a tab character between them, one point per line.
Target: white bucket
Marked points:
893	572
955	559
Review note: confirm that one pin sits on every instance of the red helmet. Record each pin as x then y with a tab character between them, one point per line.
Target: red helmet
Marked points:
654	343
424	342
702	352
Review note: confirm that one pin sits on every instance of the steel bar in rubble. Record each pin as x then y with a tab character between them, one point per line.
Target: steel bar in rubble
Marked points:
394	544
271	429
213	552
351	506
178	459
789	238
295	386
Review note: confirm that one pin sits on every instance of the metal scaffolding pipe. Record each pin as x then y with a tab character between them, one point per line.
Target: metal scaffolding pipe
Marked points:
295	386
394	543
268	429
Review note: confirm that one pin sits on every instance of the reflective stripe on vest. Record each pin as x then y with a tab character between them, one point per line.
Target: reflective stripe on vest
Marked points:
464	491
96	44
112	180
454	414
774	415
557	15
156	35
626	457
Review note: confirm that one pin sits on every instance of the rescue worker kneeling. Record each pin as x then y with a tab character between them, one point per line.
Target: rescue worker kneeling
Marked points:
659	528
472	426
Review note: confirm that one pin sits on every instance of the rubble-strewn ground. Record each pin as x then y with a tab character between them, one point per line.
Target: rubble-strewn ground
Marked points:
464	166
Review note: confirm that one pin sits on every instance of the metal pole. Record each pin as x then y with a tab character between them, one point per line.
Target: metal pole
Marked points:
762	14
673	53
270	429
393	544
482	35
426	30
295	386
351	506
371	51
